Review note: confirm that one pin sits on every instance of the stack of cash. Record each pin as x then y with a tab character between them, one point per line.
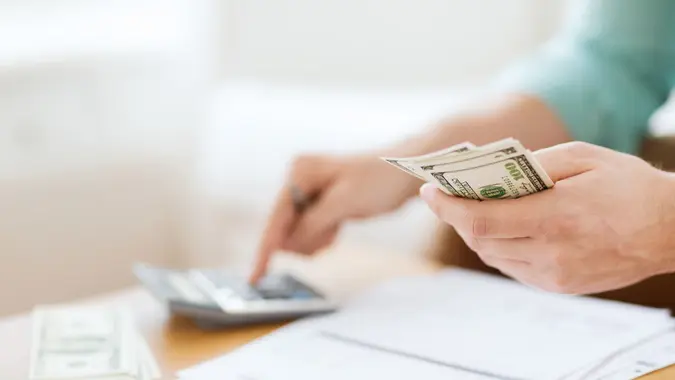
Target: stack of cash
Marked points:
88	343
503	169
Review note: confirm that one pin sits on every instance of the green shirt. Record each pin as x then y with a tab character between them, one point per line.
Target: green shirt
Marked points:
607	71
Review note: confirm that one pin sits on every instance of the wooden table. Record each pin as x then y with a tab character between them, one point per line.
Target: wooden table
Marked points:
178	344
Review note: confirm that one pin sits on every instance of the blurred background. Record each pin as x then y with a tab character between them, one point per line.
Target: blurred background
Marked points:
160	130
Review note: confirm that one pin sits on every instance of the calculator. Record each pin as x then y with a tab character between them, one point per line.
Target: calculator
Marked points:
215	298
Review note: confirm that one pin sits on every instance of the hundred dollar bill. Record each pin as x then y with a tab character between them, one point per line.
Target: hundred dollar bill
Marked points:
148	367
71	343
88	343
503	169
511	176
493	150
410	166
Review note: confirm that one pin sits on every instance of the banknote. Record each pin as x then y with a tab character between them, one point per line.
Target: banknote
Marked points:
490	151
511	176
410	166
499	170
70	342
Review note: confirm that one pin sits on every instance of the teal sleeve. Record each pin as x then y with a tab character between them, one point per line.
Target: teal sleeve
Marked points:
606	72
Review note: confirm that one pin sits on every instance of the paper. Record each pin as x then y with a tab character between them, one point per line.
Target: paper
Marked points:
301	352
494	325
651	355
74	342
455	325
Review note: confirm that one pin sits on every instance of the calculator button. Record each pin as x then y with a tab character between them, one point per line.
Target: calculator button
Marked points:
275	287
185	288
241	291
231	286
248	294
275	293
225	293
302	294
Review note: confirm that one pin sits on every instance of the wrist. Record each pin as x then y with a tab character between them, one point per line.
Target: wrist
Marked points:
523	117
444	134
407	185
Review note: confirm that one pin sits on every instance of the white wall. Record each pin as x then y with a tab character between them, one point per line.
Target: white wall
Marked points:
99	102
254	131
340	76
382	42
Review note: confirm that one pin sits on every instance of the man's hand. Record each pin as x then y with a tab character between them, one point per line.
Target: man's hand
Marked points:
608	222
361	186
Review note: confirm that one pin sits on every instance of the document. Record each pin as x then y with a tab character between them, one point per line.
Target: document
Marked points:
301	352
455	325
650	355
493	325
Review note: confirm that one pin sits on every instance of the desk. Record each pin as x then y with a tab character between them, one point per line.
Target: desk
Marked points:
178	344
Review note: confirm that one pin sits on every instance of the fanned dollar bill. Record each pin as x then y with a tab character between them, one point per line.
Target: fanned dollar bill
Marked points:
71	342
503	169
410	166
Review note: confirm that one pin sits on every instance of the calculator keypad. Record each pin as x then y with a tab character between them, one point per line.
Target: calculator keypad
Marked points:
272	287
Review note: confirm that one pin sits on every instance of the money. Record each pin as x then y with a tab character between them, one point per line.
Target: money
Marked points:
500	170
409	165
71	342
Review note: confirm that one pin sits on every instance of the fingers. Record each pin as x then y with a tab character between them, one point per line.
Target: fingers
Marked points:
513	257
518	249
570	159
509	218
308	247
308	174
278	227
521	217
517	270
320	223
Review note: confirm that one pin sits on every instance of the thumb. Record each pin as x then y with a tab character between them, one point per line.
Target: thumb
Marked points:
569	159
508	218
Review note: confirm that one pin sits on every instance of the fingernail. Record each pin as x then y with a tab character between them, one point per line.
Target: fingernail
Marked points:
428	192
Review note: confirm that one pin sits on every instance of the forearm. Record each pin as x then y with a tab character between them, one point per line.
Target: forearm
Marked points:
522	117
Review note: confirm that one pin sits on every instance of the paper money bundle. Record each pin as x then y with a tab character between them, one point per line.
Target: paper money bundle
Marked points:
503	169
88	343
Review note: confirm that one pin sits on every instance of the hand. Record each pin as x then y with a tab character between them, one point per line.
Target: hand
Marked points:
342	188
607	223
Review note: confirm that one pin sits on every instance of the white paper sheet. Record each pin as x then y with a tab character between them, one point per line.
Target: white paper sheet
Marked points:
494	325
456	325
651	355
303	353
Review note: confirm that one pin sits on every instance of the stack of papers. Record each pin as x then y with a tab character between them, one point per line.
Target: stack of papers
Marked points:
651	355
459	325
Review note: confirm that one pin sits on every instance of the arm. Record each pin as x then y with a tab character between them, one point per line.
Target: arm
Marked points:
598	81
524	117
606	72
